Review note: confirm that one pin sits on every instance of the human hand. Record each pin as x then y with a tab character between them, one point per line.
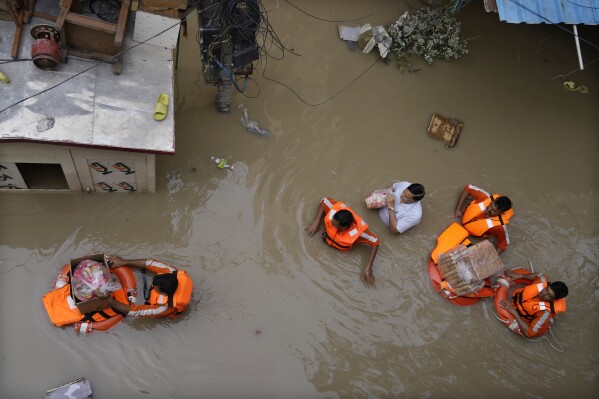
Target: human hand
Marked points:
390	200
367	277
504	304
313	228
512	274
114	261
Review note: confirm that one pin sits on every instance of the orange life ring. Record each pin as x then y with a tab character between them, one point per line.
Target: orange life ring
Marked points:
127	280
502	293
63	277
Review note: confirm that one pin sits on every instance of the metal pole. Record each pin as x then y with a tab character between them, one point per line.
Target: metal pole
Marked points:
578	47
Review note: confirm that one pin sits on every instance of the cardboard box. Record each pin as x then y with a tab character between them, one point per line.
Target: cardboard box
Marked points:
94	304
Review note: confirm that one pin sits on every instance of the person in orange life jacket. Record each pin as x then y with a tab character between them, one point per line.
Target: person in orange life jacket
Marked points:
535	305
164	286
486	215
343	229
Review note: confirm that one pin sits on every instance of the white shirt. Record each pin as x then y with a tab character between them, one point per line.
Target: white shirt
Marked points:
407	215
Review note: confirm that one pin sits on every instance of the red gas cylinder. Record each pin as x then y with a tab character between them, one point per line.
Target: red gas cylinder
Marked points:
45	53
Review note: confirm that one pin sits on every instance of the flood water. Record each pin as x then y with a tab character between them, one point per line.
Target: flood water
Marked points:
278	314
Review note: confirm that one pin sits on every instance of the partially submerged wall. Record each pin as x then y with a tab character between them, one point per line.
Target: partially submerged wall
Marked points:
33	166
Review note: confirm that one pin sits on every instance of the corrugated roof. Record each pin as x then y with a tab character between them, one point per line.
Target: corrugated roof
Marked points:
572	12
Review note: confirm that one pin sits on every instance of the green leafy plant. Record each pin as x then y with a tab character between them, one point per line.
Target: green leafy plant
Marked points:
432	32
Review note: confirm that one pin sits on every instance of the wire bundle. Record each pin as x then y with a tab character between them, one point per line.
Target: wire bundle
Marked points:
106	10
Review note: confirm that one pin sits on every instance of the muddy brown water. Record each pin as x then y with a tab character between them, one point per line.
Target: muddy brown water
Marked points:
278	314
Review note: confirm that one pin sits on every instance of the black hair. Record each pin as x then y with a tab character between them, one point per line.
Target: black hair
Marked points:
344	218
503	204
417	191
559	289
167	283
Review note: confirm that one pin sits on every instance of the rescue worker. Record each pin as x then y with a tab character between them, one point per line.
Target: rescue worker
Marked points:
403	209
343	229
486	215
535	306
171	288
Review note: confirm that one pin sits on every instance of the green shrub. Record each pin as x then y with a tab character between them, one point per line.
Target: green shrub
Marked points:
431	32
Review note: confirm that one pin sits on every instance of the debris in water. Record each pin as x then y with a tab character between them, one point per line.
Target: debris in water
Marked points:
222	163
445	129
252	126
570	85
258	332
78	389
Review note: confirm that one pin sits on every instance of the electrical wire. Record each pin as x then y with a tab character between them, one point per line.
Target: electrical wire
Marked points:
106	10
226	71
102	62
5	61
257	85
333	96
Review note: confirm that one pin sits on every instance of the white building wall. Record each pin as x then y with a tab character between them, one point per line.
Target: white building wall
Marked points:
85	169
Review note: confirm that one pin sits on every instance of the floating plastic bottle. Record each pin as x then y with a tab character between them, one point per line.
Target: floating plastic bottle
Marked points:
222	163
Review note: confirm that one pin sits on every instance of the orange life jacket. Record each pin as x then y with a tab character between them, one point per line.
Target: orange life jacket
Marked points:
180	299
343	240
528	304
475	221
539	314
62	310
452	236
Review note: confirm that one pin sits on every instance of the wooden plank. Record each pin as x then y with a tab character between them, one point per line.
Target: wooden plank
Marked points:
91	23
11	10
62	16
75	52
122	25
43	15
490	5
180	4
17	39
169	12
90	41
29	5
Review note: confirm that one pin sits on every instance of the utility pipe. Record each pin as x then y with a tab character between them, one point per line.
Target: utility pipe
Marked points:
578	47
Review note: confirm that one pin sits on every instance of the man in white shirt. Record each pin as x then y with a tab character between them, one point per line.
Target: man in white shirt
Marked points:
403	209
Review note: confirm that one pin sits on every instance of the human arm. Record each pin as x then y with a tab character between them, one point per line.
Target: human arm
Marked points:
524	326
515	276
370	239
367	275
391	210
151	310
325	205
118	306
115	261
315	225
459	205
501	236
